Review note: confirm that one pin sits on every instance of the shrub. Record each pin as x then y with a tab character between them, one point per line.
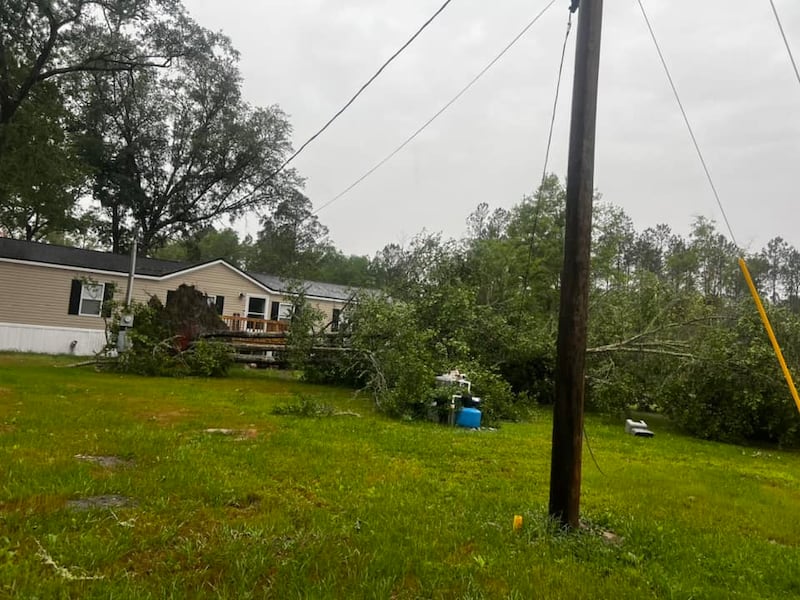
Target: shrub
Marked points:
304	407
208	359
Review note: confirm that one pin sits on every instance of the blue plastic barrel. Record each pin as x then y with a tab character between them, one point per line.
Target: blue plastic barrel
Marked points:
469	417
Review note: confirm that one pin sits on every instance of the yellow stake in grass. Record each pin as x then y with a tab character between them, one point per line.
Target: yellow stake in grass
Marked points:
770	333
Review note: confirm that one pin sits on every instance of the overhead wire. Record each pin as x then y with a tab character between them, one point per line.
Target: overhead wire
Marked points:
688	123
359	92
555	100
427	123
538	205
785	40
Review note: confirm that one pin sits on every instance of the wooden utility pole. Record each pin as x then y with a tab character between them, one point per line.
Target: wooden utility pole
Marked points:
132	270
565	467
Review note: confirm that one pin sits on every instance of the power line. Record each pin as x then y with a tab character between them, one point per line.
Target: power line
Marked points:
361	89
538	207
555	101
785	41
688	124
436	116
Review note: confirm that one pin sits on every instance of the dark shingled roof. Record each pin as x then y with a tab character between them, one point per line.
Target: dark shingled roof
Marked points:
88	259
311	288
120	263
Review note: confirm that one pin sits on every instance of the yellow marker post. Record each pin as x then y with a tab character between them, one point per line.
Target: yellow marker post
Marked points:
770	333
517	522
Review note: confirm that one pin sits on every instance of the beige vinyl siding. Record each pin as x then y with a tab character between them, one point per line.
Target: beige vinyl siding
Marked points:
221	280
214	280
39	295
326	307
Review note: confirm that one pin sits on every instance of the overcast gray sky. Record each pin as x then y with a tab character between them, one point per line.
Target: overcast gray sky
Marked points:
726	57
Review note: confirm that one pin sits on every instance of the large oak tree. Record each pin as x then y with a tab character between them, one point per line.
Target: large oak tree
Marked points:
175	149
42	44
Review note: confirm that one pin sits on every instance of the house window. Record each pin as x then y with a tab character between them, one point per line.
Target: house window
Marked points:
216	302
336	319
281	311
91	299
256	309
285	312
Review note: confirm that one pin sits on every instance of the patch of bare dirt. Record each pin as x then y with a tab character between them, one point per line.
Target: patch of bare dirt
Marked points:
105	501
246	502
109	462
238	434
169	416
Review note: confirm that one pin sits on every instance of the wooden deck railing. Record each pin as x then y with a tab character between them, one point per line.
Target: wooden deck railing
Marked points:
251	325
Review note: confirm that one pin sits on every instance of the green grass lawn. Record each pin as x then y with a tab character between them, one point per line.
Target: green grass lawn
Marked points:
362	507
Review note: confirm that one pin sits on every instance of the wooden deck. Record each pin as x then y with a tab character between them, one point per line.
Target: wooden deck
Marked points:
259	341
251	325
262	341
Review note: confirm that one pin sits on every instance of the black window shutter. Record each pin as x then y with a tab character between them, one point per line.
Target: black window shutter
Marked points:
220	304
75	297
274	311
335	319
170	296
108	295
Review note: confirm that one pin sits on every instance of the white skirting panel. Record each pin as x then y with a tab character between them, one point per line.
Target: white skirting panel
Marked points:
51	340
